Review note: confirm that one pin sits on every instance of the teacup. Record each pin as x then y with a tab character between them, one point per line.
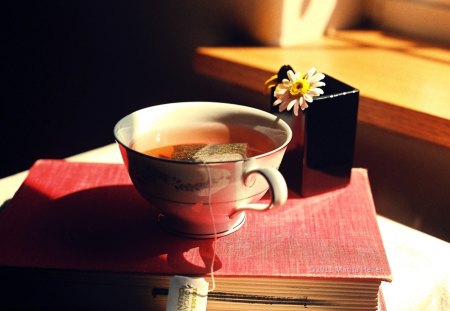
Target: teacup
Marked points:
207	198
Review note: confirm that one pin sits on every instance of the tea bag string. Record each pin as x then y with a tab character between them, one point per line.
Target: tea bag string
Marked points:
214	228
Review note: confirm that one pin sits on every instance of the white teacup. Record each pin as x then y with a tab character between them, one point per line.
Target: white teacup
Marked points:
201	199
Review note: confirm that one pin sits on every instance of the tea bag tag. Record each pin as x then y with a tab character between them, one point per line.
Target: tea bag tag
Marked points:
187	293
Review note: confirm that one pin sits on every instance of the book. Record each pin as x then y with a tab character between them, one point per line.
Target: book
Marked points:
78	235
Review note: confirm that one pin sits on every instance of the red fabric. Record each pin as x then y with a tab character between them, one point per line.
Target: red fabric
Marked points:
88	216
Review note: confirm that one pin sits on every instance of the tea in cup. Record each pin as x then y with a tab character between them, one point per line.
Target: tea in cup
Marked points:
203	164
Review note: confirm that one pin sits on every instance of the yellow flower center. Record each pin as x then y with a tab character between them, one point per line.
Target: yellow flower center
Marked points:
299	87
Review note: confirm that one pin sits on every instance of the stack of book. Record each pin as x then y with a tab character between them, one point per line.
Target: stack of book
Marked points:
79	236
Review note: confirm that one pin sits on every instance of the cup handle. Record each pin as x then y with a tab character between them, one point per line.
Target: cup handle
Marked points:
277	185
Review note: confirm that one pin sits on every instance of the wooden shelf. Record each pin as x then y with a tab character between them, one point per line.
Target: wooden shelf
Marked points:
404	84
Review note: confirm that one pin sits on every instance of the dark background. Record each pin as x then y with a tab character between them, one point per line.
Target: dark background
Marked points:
71	69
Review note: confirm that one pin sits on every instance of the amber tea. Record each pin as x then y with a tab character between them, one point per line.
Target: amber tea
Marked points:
212	142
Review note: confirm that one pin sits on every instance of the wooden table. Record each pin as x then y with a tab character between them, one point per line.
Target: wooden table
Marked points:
404	84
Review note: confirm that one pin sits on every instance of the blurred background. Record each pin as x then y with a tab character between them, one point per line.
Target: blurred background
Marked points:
72	69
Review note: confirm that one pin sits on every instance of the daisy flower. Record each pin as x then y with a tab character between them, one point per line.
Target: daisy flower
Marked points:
299	90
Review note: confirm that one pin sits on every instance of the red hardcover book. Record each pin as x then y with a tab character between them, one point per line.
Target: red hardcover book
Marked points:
78	235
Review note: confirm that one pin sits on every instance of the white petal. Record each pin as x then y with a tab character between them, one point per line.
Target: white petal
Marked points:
318	84
283	106
303	103
310	73
296	109
285	96
316	78
291	75
279	92
308	97
315	91
291	104
284	99
286	82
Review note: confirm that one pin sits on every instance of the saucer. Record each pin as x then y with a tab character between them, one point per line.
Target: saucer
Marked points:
196	232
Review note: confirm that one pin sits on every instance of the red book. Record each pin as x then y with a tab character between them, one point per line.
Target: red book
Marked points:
79	235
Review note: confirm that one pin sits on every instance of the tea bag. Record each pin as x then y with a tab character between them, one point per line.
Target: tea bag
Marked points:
221	152
186	152
210	152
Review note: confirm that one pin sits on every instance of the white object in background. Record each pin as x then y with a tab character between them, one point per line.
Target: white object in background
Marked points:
420	269
304	20
292	22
